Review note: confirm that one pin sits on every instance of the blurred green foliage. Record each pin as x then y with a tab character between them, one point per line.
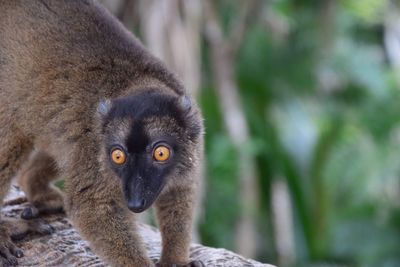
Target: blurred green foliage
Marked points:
337	148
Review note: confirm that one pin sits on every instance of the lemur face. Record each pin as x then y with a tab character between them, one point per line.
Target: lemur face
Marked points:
147	139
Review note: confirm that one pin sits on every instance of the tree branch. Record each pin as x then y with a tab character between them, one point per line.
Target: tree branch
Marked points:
66	248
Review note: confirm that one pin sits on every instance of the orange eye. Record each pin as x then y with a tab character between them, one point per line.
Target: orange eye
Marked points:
161	153
118	156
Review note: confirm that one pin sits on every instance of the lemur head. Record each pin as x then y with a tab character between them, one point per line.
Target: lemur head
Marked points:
148	138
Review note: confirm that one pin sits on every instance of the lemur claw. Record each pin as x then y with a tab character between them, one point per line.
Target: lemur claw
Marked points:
9	254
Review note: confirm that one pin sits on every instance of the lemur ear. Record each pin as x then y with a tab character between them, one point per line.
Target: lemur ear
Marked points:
104	107
194	128
185	103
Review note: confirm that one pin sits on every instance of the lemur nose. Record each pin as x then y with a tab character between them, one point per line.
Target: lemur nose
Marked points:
137	205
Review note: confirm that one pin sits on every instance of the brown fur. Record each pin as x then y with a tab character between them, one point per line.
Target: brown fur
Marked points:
35	179
58	59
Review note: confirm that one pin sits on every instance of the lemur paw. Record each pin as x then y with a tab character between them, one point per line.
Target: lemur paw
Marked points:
8	252
34	211
190	264
41	227
29	213
19	229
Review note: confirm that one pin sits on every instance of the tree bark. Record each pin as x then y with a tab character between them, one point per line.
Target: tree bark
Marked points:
66	248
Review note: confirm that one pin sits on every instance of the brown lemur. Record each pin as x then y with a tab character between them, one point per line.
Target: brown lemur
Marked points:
82	99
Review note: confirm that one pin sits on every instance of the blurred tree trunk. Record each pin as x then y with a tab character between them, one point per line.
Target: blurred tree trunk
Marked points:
223	51
283	223
171	30
328	81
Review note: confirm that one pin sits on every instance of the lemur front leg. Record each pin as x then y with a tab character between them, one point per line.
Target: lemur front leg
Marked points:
175	212
35	179
102	218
